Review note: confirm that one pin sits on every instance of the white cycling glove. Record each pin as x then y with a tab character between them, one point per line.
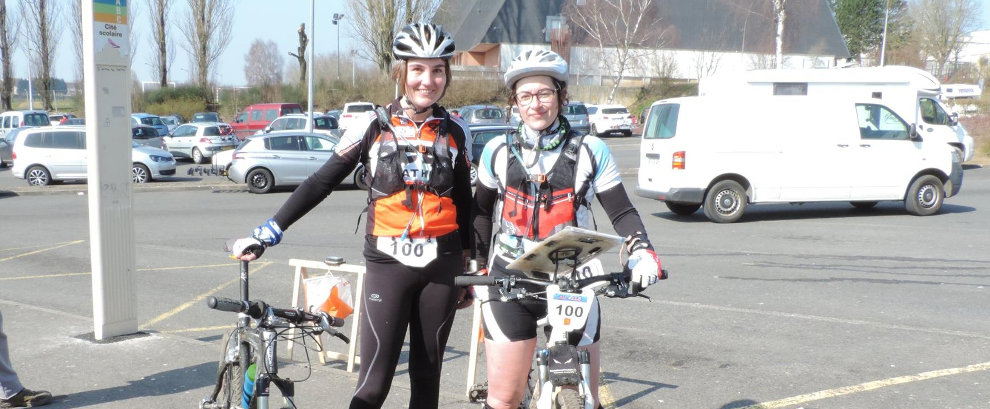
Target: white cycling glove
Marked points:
645	267
242	244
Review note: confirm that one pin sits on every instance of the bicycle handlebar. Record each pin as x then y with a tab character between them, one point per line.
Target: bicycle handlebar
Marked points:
258	309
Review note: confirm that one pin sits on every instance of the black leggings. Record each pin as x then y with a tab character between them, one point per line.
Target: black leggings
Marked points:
397	296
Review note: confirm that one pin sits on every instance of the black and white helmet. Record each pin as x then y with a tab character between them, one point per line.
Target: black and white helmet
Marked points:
422	40
536	62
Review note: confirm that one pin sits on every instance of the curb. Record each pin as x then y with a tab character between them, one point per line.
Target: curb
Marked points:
160	186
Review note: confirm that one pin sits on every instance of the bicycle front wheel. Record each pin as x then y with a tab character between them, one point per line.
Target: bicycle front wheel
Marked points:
231	376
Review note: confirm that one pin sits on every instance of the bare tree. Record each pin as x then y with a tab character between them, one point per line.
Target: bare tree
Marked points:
44	29
207	33
77	46
9	32
263	67
780	14
616	27
301	53
162	57
133	13
376	22
942	26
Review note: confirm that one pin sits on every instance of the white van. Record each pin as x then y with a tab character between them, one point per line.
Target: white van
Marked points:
19	119
723	153
912	93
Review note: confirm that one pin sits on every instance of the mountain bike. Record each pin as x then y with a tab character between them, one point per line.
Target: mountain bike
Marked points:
561	371
249	352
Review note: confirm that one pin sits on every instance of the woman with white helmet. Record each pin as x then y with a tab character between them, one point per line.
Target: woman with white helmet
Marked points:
534	182
419	205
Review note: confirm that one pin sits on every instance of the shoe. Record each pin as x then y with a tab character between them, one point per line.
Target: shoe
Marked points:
27	398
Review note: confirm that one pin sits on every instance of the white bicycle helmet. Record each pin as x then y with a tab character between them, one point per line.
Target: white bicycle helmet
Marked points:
422	40
536	62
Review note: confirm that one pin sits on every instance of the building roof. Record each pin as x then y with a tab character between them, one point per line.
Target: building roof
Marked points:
713	25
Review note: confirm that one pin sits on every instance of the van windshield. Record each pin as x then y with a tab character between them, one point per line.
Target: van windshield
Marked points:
662	123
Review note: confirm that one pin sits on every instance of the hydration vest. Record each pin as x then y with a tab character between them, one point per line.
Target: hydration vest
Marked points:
535	206
412	185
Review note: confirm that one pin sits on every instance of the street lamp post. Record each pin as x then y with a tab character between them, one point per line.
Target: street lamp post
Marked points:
336	18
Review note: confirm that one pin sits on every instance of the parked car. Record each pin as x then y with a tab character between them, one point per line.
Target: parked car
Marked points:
205	117
356	113
59	118
149	120
74	121
7	147
258	116
284	158
482	134
323	124
605	119
335	114
17	119
577	115
172	122
47	154
147	136
482	114
200	140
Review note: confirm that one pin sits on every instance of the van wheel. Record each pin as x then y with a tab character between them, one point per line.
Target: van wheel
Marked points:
925	196
864	204
38	176
197	156
594	130
140	173
359	177
260	181
683	209
725	202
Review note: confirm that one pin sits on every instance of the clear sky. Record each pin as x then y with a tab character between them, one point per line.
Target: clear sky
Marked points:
275	20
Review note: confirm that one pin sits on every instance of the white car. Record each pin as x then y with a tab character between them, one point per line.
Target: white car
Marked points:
606	119
323	124
200	140
47	154
356	113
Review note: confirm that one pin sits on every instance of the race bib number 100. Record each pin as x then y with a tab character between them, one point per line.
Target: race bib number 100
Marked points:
413	252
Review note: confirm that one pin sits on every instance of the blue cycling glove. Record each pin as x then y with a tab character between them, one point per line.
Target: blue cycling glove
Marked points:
269	234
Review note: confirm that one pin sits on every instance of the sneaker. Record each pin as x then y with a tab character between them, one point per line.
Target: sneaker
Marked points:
27	398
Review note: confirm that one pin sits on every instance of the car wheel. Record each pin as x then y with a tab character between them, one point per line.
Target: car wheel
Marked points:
359	177
725	202
683	209
864	204
594	130
474	174
140	173
925	196
197	156
38	176
260	181
627	133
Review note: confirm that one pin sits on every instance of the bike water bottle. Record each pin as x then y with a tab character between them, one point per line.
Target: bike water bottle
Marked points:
248	386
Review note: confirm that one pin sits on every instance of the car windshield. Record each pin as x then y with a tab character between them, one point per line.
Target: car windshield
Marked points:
489	113
614	111
36	119
152	121
325	122
576	110
207	117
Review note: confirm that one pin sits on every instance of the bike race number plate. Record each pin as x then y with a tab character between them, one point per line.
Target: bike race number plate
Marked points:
568	311
413	252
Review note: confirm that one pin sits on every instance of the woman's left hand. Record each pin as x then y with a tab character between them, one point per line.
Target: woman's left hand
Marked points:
465	298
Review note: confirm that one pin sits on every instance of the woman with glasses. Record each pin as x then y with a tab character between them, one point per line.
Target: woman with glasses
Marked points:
534	182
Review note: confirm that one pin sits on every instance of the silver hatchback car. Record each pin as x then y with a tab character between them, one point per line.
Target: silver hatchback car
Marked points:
279	159
200	140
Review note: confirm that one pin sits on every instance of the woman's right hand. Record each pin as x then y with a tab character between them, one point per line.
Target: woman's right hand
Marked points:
247	249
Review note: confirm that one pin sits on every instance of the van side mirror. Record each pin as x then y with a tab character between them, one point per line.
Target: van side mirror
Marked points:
915	136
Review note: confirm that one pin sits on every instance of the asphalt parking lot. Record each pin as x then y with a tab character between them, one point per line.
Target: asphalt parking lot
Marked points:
795	306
